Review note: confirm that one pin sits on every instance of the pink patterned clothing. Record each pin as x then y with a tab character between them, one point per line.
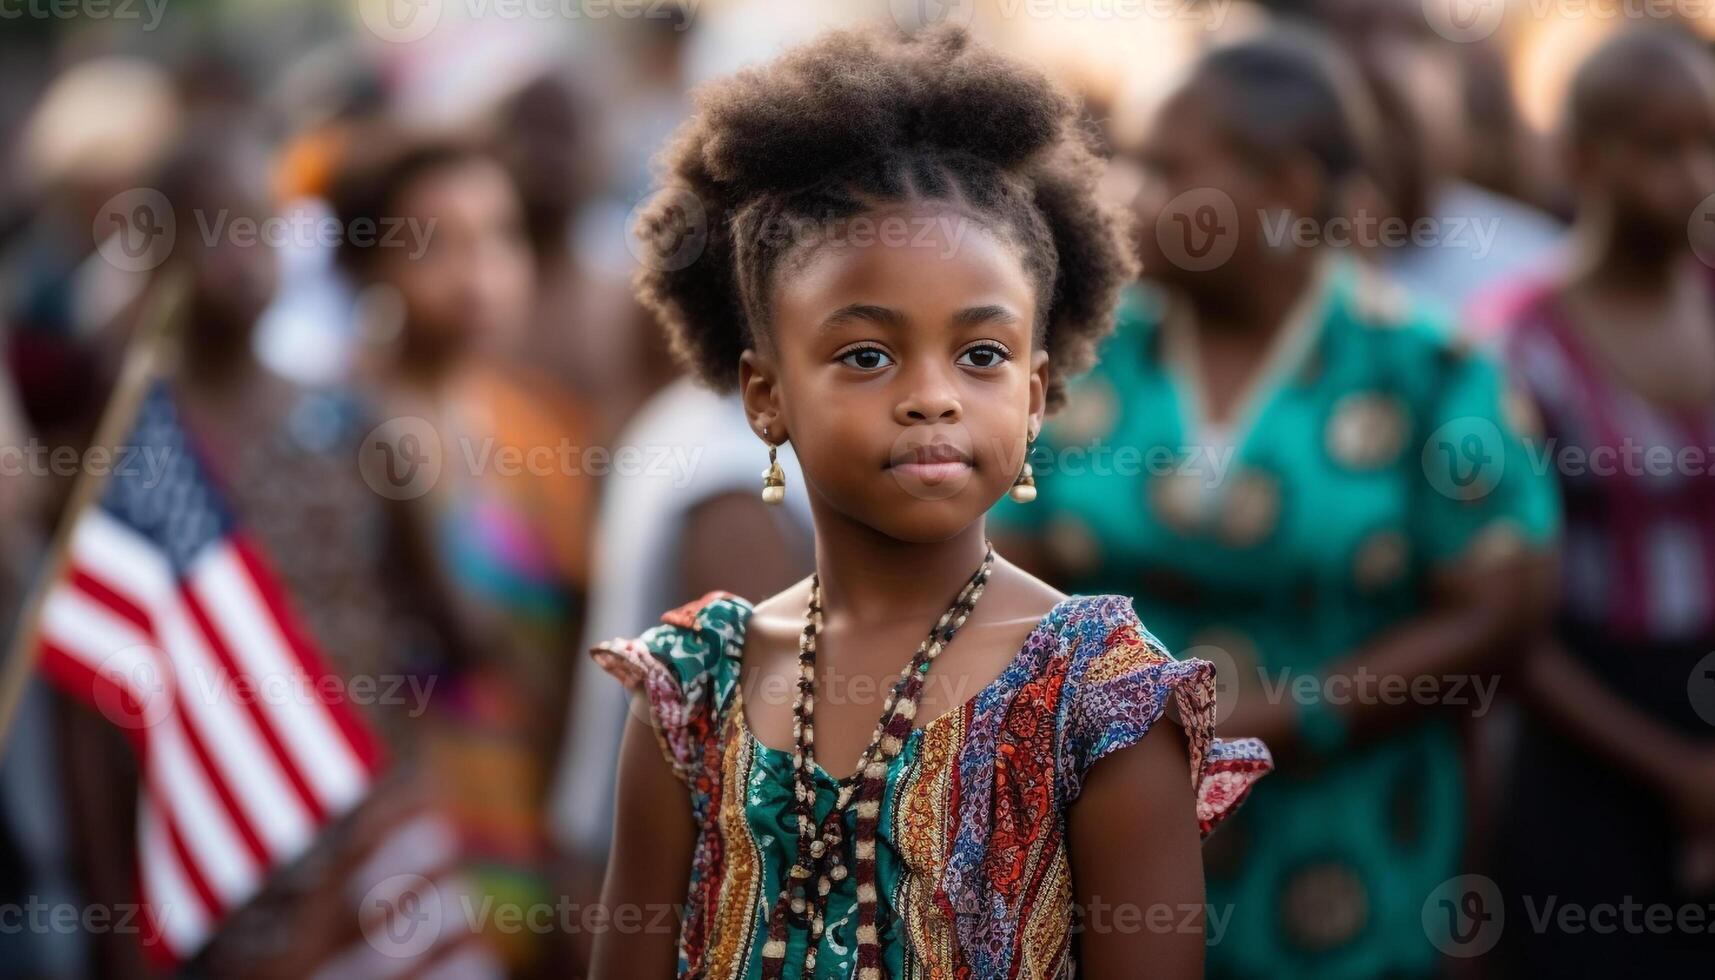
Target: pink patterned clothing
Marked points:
972	866
1639	551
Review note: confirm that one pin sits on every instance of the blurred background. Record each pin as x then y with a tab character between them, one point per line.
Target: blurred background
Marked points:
412	360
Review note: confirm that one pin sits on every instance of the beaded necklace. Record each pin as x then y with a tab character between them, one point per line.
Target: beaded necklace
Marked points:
819	847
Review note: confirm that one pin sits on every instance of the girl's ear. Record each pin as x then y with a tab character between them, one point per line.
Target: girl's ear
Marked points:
759	387
1038	391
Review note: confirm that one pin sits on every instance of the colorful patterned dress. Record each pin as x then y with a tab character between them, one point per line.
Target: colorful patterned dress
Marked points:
971	853
1373	451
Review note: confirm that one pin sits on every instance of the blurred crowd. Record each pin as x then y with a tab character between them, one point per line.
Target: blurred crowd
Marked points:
409	352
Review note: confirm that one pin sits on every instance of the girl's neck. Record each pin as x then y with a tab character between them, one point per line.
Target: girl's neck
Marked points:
869	578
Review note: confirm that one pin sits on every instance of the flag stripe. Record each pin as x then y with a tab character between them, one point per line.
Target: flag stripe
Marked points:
73	675
130	570
188	863
72	668
221	581
198	746
183	919
267	722
247	760
119	655
357	736
116	603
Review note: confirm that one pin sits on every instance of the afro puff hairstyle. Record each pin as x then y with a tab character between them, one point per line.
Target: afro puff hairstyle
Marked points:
854	120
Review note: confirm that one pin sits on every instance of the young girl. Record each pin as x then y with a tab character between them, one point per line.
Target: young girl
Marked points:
893	250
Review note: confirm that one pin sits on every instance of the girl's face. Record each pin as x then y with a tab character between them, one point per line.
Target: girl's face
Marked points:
459	258
900	363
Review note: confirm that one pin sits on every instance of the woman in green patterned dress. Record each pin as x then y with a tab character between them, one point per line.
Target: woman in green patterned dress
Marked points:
1306	481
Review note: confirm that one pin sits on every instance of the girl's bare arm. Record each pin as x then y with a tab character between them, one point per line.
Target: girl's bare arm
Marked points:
650	865
1137	863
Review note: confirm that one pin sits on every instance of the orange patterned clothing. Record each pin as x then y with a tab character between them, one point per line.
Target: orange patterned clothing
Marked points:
972	867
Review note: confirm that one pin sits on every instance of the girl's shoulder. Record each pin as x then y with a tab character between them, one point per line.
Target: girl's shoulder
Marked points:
703	637
1116	681
687	668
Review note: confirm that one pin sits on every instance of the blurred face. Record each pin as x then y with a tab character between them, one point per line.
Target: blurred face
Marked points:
1659	165
900	364
1199	211
1421	71
233	277
461	263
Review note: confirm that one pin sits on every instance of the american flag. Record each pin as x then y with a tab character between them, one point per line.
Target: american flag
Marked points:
170	623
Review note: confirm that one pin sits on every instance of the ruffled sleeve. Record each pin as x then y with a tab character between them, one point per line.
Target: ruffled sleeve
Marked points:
686	667
1120	681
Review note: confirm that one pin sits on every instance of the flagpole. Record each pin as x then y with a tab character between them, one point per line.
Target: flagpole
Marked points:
141	362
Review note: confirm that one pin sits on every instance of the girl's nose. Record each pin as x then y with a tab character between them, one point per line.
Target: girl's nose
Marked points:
929	400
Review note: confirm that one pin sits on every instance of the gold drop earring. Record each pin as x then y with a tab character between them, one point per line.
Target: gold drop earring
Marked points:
773	478
1024	488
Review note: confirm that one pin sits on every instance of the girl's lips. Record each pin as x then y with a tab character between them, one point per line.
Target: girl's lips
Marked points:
933	473
939	452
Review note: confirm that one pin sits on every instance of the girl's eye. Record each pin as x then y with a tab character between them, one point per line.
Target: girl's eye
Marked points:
866	358
983	356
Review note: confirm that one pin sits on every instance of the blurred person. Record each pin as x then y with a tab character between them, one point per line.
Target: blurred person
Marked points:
76	272
653	99
35	848
95	132
501	482
1611	794
284	454
324	103
586	335
1438	232
1254	455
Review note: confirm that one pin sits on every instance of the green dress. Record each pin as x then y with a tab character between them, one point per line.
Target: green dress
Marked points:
1373	449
